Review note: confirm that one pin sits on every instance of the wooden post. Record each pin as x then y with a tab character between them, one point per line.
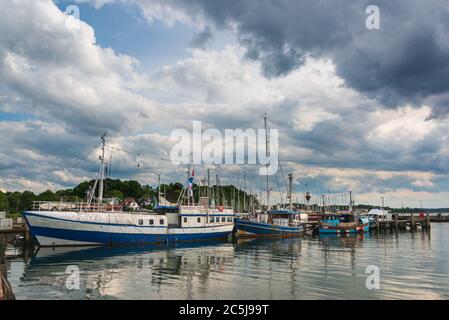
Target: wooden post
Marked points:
412	222
1	286
427	221
396	221
377	222
26	235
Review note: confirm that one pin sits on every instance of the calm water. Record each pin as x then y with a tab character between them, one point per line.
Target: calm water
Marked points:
412	266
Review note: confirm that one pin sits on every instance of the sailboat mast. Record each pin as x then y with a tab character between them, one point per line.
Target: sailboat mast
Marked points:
100	188
290	190
159	189
208	189
267	143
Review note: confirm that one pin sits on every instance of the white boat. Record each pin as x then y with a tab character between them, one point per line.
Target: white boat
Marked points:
96	223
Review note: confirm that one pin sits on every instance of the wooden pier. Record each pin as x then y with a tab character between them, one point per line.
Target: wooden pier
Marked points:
411	222
400	222
5	288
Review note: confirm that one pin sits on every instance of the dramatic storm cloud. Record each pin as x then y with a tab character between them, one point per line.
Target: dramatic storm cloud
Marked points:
356	108
406	61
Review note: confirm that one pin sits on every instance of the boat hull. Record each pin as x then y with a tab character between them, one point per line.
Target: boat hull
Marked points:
52	231
258	229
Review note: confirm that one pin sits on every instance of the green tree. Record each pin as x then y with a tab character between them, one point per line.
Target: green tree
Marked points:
48	196
13	200
4	204
26	200
115	194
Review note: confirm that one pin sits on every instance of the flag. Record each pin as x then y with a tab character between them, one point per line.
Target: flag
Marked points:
191	184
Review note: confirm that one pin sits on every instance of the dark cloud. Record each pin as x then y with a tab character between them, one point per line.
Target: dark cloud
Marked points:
406	61
201	39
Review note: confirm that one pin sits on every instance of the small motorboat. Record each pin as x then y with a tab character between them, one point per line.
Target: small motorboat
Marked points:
343	224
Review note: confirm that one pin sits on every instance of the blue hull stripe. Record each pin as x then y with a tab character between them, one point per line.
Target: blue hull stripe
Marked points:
107	238
257	228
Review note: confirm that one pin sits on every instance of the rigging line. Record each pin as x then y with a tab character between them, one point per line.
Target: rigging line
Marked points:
280	166
279	188
283	176
77	163
139	154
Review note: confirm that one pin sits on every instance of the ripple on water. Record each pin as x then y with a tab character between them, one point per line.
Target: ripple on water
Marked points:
411	266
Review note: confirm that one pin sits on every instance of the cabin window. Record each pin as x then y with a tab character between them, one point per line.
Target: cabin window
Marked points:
229	219
161	221
211	220
140	222
217	219
151	222
223	219
198	220
185	219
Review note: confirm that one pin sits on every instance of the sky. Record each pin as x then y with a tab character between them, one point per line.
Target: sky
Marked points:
356	108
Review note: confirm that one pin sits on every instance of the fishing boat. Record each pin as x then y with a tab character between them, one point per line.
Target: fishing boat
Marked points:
343	224
96	223
284	223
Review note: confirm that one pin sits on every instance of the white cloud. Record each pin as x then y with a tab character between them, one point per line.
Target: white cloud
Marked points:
77	89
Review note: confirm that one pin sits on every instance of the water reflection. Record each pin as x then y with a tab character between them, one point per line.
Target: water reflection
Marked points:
326	267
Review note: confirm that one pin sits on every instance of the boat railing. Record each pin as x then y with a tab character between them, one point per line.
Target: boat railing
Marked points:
73	206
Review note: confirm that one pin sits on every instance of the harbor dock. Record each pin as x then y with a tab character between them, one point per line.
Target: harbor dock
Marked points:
6	292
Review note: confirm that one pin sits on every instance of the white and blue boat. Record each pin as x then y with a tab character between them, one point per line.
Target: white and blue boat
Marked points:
95	223
83	227
283	223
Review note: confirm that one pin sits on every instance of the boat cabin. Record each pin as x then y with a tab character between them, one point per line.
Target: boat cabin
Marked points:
279	218
336	219
195	216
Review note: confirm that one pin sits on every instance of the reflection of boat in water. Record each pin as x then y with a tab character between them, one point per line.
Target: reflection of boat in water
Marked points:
58	255
285	247
338	240
63	224
343	224
127	272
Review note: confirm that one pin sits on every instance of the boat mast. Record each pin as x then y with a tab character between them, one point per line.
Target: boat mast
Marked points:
159	190
350	201
267	143
290	189
208	189
100	187
244	191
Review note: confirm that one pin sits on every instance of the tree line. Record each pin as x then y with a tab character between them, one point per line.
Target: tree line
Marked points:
15	202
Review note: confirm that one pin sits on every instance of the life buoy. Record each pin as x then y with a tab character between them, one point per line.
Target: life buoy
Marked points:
220	208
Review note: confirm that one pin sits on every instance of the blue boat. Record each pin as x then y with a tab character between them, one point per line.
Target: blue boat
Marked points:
281	223
343	224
